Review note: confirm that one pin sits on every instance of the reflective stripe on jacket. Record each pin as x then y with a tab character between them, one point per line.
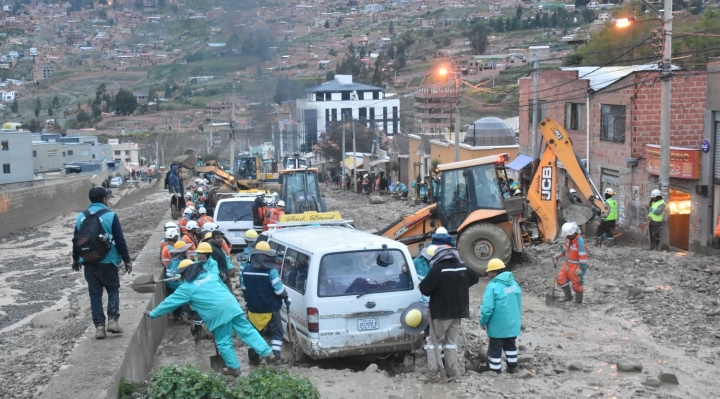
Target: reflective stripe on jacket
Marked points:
576	251
613	209
652	215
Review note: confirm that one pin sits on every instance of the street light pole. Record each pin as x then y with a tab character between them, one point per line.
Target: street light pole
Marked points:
665	75
457	116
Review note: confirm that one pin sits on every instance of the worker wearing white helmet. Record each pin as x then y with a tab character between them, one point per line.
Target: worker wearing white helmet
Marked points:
171	225
170	238
572	272
656	214
272	215
575	197
605	229
209	227
192	236
204	218
187	216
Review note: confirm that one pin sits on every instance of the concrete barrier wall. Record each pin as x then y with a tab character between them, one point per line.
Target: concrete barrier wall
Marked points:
32	206
138	194
95	367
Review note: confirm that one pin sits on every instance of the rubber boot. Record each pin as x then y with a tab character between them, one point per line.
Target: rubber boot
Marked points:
578	298
568	295
114	327
231	372
100	332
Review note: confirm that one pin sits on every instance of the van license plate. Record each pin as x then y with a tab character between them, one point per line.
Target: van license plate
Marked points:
368	324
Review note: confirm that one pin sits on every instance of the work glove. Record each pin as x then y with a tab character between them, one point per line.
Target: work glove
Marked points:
76	266
578	271
287	301
557	256
127	267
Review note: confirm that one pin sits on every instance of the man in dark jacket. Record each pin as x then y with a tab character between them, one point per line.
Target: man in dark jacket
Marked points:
103	273
258	213
264	296
448	286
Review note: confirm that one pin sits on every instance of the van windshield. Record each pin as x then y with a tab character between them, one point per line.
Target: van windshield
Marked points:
232	211
353	273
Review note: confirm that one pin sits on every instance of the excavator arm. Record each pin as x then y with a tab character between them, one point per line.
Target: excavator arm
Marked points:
542	195
226	178
413	229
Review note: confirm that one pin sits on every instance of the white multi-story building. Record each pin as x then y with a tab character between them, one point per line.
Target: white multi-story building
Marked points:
329	101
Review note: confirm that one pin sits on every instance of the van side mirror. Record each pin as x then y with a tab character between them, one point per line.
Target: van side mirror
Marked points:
384	259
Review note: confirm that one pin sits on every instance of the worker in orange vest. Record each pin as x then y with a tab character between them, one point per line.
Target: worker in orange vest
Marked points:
187	216
171	237
204	218
191	236
572	272
272	215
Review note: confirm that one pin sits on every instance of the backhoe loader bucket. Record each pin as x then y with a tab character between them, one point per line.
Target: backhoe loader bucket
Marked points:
187	160
573	212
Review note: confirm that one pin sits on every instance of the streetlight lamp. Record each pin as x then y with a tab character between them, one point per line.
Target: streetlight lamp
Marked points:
444	72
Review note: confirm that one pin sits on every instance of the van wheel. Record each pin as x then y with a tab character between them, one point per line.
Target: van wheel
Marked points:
298	356
481	242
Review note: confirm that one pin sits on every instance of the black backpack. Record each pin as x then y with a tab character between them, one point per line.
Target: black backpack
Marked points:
91	241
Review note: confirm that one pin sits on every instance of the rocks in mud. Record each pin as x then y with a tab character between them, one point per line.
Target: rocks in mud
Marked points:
575	366
668	378
635	293
713	269
713	312
525	374
376	199
51	318
652	382
372	368
629	364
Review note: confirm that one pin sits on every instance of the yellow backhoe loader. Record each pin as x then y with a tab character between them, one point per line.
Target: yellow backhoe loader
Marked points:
486	224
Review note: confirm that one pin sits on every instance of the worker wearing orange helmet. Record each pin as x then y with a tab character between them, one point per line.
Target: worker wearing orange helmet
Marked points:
572	273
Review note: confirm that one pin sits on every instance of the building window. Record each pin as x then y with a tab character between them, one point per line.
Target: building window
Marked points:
85	153
6	168
70	152
319	96
395	120
542	110
334	114
376	95
63	154
385	119
5	146
34	154
327	117
345	96
346	113
613	123
117	153
575	116
372	114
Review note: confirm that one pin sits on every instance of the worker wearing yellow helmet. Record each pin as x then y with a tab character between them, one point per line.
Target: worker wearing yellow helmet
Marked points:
220	311
500	316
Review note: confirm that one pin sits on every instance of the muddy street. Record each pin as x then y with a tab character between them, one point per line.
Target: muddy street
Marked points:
44	305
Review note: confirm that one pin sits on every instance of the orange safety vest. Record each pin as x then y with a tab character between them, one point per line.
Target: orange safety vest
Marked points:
272	216
165	253
205	219
576	251
193	244
183	224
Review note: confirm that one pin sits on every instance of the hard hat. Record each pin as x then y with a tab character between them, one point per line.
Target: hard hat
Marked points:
188	195
573	191
274	194
517	192
281	203
209	226
494	264
206	181
609	191
441	230
208	235
170	225
569	229
262	246
426	252
202	210
414	318
183	265
200	189
188	211
180	246
192	208
656	193
204	248
198	181
192	225
171	234
251	235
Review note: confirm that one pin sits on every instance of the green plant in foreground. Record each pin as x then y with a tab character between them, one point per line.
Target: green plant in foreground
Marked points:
187	382
273	383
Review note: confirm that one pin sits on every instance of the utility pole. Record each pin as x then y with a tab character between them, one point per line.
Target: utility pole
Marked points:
665	75
232	131
535	116
281	145
457	116
157	150
342	170
354	176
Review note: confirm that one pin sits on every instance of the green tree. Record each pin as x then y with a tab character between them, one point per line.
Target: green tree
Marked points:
14	106
56	103
125	102
391	28
328	144
34	126
518	11
38	107
478	37
327	24
50	110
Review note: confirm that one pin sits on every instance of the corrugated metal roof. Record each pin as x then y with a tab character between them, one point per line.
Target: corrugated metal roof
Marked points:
603	77
335	85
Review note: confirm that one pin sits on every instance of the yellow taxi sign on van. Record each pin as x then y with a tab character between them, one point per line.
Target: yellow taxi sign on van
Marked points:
311	216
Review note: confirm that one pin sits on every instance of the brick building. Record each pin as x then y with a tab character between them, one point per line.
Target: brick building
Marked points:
624	137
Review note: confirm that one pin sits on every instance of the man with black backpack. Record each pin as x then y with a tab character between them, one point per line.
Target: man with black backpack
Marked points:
99	245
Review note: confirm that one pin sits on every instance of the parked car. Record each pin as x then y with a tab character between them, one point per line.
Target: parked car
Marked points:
116	181
233	216
346	299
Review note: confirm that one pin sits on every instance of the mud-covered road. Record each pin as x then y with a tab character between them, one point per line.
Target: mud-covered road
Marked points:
660	309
